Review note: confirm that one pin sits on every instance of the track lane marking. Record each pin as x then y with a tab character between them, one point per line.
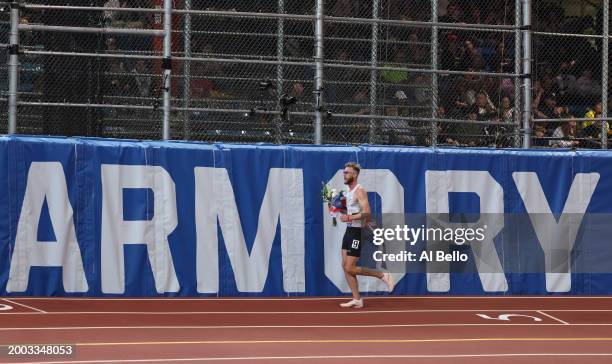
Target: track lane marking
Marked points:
553	317
23	305
345	341
346	312
314	357
5	307
279	326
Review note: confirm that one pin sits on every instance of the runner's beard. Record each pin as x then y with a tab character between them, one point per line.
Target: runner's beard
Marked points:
349	180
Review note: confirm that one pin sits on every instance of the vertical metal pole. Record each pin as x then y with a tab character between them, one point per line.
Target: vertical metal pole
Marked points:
167	66
517	71
318	72
280	48
434	75
374	73
604	73
527	98
13	69
187	70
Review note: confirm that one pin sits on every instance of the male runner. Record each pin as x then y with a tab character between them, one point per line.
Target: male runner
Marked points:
358	213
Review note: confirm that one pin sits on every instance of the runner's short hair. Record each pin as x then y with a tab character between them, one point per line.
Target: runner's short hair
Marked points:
355	166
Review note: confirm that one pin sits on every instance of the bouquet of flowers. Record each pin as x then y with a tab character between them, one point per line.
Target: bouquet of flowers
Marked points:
336	201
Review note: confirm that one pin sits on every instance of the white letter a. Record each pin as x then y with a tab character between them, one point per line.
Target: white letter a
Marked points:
46	180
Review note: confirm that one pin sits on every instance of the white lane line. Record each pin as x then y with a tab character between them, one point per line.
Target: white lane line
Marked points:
329	357
274	326
553	317
22	305
345	312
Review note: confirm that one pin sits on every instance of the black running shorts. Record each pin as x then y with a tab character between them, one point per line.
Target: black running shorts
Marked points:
352	241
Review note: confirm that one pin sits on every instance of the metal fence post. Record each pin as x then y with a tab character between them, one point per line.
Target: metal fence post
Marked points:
604	73
167	66
280	48
13	69
527	98
374	72
434	74
517	71
187	70
318	93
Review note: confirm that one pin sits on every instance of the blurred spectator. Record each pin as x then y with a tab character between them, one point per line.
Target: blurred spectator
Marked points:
472	57
550	16
547	80
344	9
452	54
566	81
441	112
397	90
501	135
593	128
137	19
399	131
418	53
339	87
111	45
475	17
397	10
538	93
445	130
465	97
454	14
483	109
594	112
546	109
297	90
26	38
501	62
564	135
474	134
506	111
109	15
133	20
497	12
420	90
395	76
587	86
118	84
491	86
361	100
507	88
142	79
539	133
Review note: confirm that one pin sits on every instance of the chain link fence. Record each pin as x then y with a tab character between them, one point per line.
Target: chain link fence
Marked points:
568	71
400	72
4	70
236	61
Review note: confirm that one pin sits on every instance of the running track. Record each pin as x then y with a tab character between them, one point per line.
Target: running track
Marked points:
403	329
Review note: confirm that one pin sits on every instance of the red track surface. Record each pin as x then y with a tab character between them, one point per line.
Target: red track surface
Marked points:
398	329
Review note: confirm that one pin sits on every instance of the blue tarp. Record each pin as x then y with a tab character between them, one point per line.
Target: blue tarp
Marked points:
100	217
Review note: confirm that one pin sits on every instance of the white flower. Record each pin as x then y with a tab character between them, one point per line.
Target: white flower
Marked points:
334	192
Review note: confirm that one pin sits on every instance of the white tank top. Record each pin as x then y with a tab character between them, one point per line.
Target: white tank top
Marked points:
353	207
